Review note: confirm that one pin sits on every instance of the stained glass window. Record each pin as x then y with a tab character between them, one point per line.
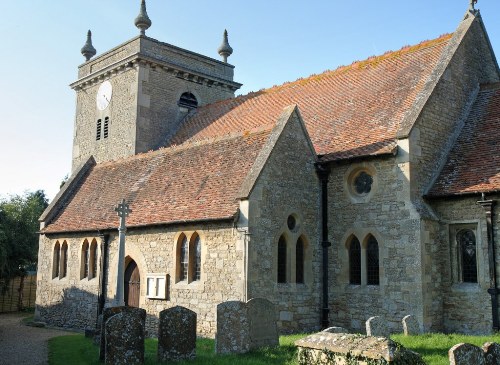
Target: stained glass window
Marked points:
282	260
372	263
355	262
299	262
467	244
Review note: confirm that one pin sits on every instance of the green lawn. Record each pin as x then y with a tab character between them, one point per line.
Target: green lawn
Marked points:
76	349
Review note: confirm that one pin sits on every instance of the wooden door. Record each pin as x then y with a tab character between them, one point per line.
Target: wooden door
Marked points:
132	285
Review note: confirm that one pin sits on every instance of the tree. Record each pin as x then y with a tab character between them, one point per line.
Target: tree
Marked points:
18	234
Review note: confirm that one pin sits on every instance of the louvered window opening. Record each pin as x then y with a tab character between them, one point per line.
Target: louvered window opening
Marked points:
355	262
106	127
184	260
188	100
467	243
299	262
98	132
372	262
282	260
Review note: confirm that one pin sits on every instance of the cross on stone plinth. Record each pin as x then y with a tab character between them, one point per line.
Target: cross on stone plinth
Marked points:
123	211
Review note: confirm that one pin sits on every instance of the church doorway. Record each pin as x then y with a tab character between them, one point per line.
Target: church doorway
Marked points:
132	284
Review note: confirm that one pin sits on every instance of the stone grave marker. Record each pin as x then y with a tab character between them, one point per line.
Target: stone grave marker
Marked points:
106	314
335	330
491	353
466	354
232	328
177	334
376	326
124	333
410	326
263	326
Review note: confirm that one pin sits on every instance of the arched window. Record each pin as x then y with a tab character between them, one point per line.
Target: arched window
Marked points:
64	260
282	260
467	248
56	260
355	262
188	100
184	259
299	261
372	263
93	260
84	269
195	253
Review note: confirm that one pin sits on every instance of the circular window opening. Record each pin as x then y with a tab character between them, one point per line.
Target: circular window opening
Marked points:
363	183
291	222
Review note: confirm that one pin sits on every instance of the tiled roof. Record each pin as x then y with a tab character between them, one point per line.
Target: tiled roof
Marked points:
193	182
353	111
473	165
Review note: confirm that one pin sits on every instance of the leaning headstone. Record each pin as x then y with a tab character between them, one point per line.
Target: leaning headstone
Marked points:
232	328
410	326
466	354
177	334
491	353
335	330
376	326
263	325
124	334
106	314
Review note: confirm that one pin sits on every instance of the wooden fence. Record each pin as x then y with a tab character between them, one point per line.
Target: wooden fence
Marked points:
20	295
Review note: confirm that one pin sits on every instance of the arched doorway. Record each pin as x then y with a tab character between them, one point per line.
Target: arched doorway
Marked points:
132	284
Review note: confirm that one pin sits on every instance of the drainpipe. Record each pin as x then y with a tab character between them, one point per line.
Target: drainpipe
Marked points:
323	173
493	290
103	273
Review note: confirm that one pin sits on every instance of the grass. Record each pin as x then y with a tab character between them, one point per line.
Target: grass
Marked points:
76	350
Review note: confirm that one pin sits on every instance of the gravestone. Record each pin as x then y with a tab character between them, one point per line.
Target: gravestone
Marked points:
124	333
262	320
106	314
410	326
491	353
466	354
376	326
177	334
232	328
335	330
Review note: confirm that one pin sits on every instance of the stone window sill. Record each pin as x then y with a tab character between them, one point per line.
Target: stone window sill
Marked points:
466	288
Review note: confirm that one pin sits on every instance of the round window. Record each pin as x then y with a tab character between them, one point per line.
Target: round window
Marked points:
363	183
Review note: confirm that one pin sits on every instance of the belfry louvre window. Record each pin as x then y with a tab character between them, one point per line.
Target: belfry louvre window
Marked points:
106	127
355	262
372	262
188	100
466	240
299	261
98	130
282	260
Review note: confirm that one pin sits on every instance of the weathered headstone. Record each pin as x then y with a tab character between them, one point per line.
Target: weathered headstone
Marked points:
124	334
262	320
466	354
106	314
410	326
491	353
376	326
335	330
232	328
177	334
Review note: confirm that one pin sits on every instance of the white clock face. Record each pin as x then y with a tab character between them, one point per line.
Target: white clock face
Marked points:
104	95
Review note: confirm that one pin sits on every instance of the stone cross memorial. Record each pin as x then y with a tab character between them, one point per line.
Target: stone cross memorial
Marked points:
123	211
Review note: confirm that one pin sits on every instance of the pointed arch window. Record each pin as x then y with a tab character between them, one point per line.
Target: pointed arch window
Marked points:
188	100
84	266
56	260
466	240
184	259
196	258
64	260
355	262
299	261
282	257
93	260
372	262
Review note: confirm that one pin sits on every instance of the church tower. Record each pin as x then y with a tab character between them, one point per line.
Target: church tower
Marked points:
133	98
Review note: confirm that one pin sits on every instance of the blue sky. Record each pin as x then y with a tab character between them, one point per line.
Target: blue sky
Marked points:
273	41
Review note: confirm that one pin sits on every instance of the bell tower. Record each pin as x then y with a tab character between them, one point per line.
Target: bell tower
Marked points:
132	98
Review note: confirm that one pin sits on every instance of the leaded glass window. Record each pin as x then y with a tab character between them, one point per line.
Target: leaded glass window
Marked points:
372	262
355	262
299	262
282	260
363	183
197	259
184	259
467	247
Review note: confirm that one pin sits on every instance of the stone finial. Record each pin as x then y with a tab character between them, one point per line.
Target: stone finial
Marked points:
472	3
225	49
88	51
142	21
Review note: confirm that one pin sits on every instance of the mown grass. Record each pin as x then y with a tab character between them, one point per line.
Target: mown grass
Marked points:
76	350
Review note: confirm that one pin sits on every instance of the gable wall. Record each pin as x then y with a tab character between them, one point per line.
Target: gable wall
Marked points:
287	185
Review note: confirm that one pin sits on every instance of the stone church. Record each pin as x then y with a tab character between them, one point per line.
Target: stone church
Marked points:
367	190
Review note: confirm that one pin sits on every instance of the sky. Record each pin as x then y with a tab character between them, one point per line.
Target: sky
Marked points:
274	41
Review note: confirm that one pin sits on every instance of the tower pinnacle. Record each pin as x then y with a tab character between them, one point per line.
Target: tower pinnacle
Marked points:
225	49
142	21
88	51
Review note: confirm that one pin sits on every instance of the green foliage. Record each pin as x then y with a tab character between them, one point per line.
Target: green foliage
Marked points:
18	234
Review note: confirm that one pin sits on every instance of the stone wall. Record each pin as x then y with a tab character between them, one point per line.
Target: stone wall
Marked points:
154	251
466	306
286	186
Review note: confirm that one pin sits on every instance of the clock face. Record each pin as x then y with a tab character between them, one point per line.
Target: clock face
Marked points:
104	95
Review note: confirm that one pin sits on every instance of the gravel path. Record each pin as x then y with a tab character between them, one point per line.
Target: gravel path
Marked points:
21	344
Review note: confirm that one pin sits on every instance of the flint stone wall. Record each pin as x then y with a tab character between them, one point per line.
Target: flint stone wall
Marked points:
177	334
349	349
